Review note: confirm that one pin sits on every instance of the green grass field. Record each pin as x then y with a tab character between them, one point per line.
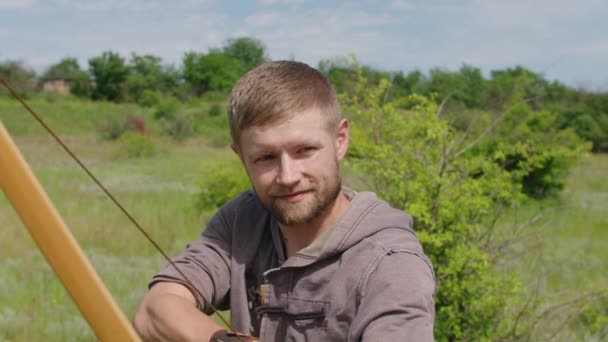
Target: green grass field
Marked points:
561	255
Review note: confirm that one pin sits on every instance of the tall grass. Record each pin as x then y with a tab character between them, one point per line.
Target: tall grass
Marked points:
560	254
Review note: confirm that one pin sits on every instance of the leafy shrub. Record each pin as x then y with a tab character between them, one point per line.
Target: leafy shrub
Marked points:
220	183
215	110
595	317
179	126
530	145
453	186
166	108
111	128
214	130
133	145
150	98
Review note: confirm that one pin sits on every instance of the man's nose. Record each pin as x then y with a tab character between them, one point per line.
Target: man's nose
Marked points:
289	171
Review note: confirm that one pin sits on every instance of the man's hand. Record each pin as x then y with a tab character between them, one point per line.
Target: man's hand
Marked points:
168	313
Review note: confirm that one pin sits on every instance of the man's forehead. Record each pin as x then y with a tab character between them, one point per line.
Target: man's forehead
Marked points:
290	133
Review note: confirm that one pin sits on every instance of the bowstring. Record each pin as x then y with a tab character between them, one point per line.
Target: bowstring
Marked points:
117	203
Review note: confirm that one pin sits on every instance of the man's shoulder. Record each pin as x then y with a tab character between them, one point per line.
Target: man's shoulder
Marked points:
243	210
378	218
245	202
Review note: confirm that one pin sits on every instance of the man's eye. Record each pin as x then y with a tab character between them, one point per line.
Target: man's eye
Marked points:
264	158
306	149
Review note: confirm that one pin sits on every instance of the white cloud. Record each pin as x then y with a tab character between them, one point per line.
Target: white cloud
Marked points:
312	34
8	4
130	5
263	19
167	36
279	2
401	5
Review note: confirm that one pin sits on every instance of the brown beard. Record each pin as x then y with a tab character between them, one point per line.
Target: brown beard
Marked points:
291	214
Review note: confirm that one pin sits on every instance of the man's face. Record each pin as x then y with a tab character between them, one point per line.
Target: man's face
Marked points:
293	165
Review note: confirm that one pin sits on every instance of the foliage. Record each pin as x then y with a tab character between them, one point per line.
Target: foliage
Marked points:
150	98
68	69
65	69
595	316
533	149
81	85
466	86
109	72
166	107
220	183
209	123
179	126
22	78
250	52
215	110
147	74
215	70
134	145
344	76
416	160
112	128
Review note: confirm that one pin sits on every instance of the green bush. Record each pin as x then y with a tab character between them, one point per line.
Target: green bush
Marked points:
150	98
111	128
166	108
179	126
133	145
453	186
215	110
220	183
594	318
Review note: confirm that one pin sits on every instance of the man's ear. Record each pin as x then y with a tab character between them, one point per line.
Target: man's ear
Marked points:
236	150
342	138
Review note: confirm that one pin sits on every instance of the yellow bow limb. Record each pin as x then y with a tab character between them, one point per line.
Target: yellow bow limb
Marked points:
59	246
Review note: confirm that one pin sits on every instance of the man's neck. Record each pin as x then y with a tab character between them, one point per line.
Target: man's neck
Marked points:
301	235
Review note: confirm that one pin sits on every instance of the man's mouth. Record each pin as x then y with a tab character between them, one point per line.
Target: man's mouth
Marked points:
293	196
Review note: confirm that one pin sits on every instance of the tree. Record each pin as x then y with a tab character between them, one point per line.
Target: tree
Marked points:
413	83
472	93
250	52
513	85
68	69
109	73
215	70
343	75
148	74
65	69
18	75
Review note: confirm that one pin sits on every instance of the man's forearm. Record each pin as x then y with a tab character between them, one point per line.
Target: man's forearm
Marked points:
170	317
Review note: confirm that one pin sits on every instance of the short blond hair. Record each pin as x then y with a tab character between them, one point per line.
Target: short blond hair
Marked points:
275	91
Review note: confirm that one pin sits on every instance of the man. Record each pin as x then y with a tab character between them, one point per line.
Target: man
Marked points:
300	258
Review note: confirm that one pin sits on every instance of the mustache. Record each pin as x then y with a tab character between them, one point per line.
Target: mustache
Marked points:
280	192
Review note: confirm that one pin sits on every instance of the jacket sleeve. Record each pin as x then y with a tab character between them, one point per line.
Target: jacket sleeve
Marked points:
205	264
396	302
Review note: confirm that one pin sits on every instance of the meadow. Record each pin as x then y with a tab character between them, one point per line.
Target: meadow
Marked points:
560	256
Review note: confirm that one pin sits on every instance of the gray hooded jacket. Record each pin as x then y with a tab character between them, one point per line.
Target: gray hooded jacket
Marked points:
365	279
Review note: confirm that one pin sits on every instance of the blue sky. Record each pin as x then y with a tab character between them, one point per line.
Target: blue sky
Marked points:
563	40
